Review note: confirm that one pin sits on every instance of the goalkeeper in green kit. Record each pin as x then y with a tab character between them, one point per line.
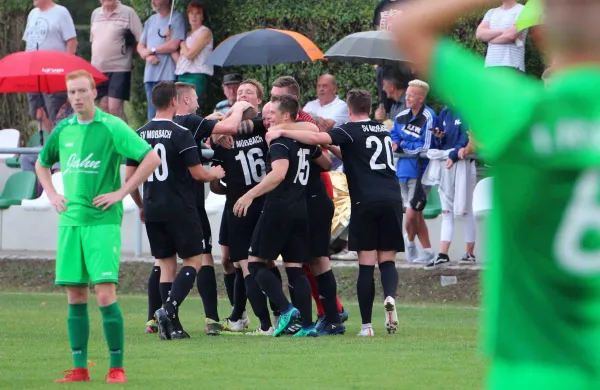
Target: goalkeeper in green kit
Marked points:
90	147
542	283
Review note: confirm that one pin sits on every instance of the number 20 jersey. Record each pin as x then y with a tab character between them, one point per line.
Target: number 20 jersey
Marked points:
368	161
244	163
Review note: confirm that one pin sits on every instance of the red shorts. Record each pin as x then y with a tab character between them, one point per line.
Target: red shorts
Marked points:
328	184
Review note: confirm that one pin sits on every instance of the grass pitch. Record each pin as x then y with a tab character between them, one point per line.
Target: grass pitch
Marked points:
435	348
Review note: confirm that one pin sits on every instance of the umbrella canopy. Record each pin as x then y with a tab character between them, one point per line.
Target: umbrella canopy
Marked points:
368	47
41	71
531	15
264	47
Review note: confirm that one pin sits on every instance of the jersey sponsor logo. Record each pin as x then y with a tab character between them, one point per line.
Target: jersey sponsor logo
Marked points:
76	165
410	128
374	129
242	143
154	134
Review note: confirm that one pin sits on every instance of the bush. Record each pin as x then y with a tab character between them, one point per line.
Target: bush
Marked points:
323	22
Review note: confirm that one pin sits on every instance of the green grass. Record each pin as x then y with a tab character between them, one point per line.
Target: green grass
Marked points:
436	348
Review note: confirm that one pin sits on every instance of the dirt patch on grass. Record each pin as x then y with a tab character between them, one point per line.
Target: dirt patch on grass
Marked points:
416	285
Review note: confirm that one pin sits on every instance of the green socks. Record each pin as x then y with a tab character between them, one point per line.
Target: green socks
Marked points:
78	325
112	321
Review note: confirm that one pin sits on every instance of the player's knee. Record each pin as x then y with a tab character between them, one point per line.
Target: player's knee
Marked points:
106	294
77	295
254	267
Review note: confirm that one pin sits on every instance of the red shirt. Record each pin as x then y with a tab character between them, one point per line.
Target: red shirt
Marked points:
306	117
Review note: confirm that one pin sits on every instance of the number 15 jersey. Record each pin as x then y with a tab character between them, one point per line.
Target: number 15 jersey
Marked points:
169	191
368	161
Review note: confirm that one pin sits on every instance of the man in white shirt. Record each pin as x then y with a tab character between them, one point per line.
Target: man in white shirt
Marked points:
49	27
506	46
328	109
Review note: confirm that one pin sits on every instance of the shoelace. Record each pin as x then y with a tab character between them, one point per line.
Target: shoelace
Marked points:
68	373
113	374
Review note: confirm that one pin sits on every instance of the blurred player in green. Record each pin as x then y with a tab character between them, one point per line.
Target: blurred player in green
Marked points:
542	283
90	147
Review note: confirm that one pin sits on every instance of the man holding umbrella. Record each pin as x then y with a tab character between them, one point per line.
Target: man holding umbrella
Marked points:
162	35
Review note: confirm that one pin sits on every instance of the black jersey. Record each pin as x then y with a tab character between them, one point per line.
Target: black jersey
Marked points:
293	187
169	192
315	184
368	161
201	128
244	163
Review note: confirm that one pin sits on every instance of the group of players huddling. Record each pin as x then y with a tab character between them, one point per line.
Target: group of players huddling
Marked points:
277	206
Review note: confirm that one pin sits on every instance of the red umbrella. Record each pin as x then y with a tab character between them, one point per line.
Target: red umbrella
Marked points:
41	71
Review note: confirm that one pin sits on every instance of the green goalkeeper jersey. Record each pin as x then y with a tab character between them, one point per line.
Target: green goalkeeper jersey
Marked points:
90	156
542	282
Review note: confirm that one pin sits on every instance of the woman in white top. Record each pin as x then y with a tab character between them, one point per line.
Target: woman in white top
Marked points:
196	48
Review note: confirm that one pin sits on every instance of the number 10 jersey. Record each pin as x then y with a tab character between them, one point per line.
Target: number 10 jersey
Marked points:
169	191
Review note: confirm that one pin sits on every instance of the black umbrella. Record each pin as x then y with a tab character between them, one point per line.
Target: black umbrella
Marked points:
264	47
368	47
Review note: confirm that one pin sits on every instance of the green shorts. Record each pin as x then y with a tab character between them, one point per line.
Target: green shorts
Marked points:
88	253
538	375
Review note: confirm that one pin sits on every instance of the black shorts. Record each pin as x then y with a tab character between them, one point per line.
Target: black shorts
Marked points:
241	229
223	231
376	226
320	214
282	230
206	231
118	86
179	236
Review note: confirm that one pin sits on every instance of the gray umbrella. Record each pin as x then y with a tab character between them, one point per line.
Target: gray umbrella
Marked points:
368	47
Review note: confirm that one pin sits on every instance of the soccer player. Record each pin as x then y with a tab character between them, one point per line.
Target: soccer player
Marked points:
201	129
245	167
376	215
542	286
321	212
169	206
89	147
282	228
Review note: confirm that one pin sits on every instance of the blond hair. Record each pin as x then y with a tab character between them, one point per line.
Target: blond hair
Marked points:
420	84
77	74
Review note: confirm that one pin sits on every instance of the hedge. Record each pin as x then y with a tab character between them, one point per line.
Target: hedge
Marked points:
323	22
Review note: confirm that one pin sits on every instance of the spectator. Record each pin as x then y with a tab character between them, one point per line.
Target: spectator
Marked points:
196	48
395	90
385	12
506	47
456	187
157	44
231	83
412	135
49	27
328	109
112	52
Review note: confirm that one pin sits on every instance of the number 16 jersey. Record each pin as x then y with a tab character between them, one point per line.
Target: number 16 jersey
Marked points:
244	163
368	161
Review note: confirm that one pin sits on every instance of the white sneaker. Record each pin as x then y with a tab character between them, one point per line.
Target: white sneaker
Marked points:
366	332
428	257
232	326
391	316
245	320
411	250
259	332
345	255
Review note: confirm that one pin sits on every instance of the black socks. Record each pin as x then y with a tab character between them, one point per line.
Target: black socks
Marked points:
154	298
207	288
302	297
328	292
365	289
269	283
389	278
239	296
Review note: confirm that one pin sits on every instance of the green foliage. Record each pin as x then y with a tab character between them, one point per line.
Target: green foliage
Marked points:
324	22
